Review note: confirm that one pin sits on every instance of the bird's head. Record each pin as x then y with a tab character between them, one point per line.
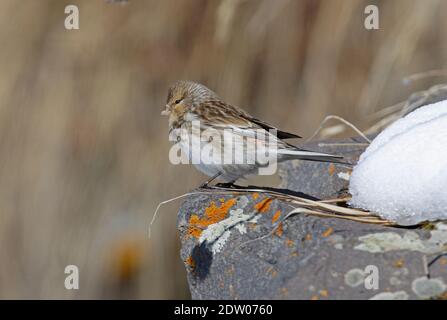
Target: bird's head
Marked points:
185	95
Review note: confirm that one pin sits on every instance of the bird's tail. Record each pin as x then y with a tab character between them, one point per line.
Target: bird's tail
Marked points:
310	156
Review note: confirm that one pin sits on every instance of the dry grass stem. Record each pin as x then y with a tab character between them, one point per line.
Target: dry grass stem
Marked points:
345	122
322	208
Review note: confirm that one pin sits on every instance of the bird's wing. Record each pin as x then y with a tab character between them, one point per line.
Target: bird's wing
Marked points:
279	133
220	116
219	112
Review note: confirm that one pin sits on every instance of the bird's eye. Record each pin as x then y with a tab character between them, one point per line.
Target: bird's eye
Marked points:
178	101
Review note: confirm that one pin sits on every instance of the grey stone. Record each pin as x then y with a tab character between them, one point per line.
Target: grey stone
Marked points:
310	257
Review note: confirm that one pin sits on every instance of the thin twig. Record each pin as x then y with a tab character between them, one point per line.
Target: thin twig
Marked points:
326	209
387	111
275	226
425	74
341	144
345	199
168	201
346	122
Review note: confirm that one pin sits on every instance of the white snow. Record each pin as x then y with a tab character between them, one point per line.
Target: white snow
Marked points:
402	175
344	175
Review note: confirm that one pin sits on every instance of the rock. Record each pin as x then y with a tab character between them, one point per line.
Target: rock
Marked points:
236	247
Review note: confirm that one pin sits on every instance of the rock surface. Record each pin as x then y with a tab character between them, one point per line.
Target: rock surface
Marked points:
236	247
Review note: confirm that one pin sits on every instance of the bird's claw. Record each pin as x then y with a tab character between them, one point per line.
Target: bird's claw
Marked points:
225	185
204	185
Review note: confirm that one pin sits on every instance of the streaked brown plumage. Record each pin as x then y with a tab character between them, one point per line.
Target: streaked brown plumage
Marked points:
189	101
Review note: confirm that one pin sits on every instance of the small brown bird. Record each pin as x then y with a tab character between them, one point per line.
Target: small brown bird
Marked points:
235	135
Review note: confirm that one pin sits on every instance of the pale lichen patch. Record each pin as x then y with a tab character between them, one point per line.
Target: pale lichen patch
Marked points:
218	233
355	277
214	231
410	240
241	228
428	288
218	245
398	295
336	240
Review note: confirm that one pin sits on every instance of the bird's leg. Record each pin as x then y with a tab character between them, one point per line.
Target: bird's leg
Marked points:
205	184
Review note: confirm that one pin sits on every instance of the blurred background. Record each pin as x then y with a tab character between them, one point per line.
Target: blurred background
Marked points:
84	151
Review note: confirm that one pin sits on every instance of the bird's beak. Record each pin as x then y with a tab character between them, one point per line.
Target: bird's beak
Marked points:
166	111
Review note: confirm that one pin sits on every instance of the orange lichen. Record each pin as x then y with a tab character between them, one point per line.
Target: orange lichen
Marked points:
443	261
190	262
399	263
331	169
252	226
279	230
212	215
263	205
273	273
308	237
290	243
328	232
315	297
324	293
276	216
255	195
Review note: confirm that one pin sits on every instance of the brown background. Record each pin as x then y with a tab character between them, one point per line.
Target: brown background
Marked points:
84	152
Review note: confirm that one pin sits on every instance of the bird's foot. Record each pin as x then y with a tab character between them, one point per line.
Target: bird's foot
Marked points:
226	185
205	185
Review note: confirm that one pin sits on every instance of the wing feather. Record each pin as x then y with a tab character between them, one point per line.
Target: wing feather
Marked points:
216	112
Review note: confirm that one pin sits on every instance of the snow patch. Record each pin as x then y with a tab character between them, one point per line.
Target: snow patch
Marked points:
344	175
402	175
